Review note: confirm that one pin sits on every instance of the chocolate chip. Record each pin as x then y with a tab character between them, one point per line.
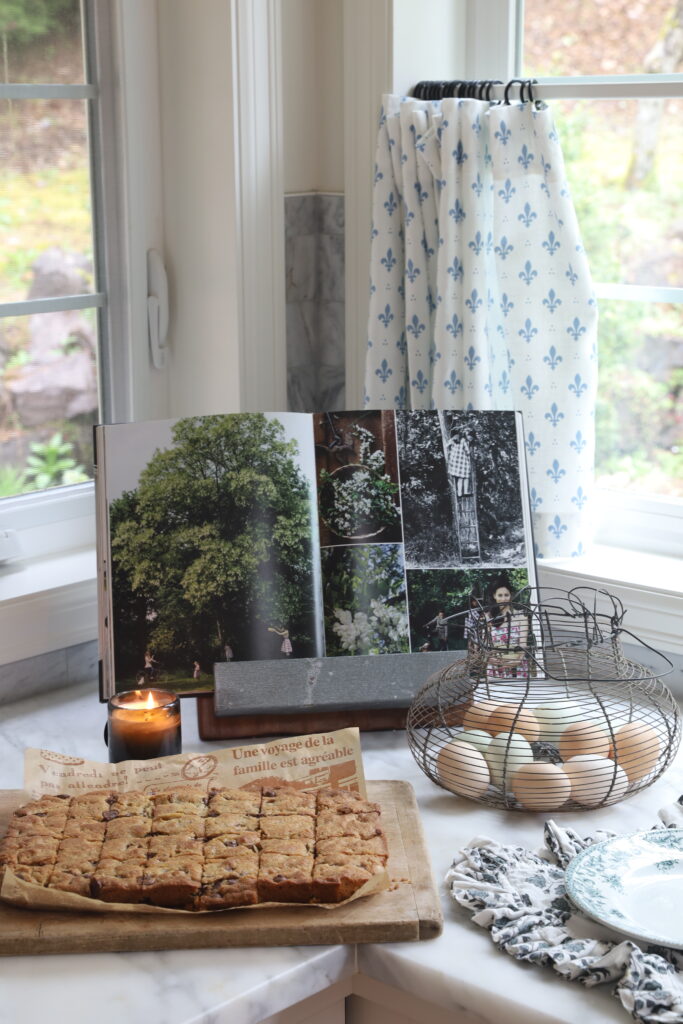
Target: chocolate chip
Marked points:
110	815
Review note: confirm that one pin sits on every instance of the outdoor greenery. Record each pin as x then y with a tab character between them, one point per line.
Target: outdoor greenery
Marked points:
364	600
639	433
50	464
623	159
213	547
22	21
449	590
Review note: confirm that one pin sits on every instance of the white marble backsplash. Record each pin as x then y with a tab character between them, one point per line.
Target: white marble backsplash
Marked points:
50	671
314	260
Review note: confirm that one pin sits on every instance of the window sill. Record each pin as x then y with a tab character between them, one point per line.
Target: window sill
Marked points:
47	604
648	585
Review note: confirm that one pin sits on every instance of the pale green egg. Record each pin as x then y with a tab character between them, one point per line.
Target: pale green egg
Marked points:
505	758
476	738
555	716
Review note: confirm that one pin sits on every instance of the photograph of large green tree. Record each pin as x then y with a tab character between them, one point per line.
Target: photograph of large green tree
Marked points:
212	553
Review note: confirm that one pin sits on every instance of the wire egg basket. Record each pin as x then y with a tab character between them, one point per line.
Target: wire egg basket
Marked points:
546	711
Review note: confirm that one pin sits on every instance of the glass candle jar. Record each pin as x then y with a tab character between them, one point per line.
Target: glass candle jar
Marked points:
142	724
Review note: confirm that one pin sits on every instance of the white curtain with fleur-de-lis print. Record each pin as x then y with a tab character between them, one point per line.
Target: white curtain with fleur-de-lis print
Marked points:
481	296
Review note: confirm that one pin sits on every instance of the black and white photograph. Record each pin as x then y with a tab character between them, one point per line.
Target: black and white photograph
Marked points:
446	606
463	489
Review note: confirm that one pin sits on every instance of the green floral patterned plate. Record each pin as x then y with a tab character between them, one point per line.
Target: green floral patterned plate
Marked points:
634	884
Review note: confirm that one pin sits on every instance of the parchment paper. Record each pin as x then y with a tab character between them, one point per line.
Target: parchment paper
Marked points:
316	761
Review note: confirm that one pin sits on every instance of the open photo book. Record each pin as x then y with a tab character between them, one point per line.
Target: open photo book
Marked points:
310	541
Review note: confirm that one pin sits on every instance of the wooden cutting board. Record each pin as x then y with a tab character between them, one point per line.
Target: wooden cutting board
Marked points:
409	911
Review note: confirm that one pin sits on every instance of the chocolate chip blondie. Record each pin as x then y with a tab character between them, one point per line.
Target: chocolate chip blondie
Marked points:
194	850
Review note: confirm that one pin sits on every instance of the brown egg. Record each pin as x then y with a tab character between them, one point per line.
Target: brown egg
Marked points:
540	786
463	769
512	718
636	749
583	738
478	715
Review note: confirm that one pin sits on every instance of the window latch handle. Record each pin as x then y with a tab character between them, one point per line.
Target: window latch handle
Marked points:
157	308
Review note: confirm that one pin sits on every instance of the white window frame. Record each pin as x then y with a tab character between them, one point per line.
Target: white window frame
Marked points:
62	518
48	596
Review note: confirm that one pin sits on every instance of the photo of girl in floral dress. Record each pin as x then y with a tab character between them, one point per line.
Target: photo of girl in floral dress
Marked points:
507	632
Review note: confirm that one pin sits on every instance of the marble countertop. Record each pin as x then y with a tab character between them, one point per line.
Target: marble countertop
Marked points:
459	970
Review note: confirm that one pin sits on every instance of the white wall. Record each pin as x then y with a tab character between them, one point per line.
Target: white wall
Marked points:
199	205
312	69
428	41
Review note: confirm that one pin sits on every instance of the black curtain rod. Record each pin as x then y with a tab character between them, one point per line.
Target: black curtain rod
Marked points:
476	90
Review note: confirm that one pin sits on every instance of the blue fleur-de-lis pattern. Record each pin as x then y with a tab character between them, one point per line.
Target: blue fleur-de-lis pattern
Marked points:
480	292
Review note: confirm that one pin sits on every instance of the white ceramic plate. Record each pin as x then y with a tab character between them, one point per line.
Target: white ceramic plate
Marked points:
634	884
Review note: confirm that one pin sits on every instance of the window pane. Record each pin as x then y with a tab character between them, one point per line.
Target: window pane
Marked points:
623	160
48	399
610	37
40	41
638	421
45	214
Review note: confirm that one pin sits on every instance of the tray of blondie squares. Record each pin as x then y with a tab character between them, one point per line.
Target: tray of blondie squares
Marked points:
191	850
184	853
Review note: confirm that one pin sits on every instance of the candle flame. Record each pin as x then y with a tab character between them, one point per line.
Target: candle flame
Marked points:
150	700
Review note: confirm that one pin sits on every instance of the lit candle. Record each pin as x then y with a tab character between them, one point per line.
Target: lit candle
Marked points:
143	724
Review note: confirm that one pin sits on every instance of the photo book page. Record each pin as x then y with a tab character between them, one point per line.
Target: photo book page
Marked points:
311	542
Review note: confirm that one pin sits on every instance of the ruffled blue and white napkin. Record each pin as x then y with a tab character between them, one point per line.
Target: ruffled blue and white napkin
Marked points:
519	896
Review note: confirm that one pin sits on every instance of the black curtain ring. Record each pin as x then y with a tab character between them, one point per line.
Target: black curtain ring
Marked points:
530	82
473	90
481	89
417	91
453	87
522	87
513	81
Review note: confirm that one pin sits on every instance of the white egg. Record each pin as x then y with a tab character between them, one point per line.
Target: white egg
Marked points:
595	779
476	737
462	769
541	786
554	717
505	753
